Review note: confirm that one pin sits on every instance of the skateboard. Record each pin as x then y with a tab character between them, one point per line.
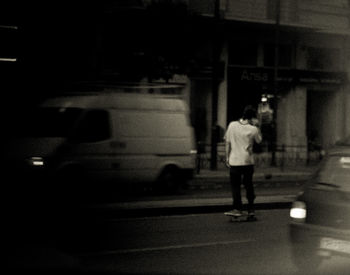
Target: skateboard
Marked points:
243	218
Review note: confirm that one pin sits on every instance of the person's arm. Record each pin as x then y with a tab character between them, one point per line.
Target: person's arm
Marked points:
258	136
227	148
227	152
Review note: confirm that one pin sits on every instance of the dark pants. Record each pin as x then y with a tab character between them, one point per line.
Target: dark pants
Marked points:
242	175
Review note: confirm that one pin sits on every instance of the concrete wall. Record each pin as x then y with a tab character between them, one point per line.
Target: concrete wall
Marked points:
291	118
326	115
347	111
347	87
329	106
222	94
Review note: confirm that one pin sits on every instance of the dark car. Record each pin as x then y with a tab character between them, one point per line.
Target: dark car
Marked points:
320	216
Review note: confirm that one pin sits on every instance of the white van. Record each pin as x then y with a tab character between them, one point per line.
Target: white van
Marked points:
123	137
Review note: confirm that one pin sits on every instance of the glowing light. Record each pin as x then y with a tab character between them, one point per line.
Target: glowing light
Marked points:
298	213
298	210
345	160
37	161
2	59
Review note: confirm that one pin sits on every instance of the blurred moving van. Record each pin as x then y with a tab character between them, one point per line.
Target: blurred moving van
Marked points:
124	137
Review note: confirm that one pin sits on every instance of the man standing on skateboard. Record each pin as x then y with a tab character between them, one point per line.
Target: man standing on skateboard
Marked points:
239	140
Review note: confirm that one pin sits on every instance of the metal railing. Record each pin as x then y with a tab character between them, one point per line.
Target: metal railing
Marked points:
285	155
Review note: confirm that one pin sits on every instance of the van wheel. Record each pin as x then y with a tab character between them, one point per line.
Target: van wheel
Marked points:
169	181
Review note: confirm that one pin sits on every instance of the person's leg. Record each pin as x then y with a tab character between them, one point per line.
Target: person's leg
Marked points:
248	185
236	181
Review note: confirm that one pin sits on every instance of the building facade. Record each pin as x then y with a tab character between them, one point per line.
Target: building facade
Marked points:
294	54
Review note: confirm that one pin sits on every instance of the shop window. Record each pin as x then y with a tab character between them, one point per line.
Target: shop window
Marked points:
284	55
323	59
243	53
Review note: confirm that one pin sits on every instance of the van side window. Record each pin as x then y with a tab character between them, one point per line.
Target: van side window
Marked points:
93	127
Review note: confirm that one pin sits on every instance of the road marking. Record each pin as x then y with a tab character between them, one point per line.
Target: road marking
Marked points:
170	247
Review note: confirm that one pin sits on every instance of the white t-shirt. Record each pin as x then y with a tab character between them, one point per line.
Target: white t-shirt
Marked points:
241	136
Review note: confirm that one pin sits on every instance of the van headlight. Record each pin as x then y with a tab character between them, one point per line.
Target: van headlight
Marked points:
36	161
298	211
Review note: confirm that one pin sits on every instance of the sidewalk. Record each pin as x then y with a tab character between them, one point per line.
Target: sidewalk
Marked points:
210	191
262	175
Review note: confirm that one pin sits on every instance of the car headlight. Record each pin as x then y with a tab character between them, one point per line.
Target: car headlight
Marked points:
36	161
298	211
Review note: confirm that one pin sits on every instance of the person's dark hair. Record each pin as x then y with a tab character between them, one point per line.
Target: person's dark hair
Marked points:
249	112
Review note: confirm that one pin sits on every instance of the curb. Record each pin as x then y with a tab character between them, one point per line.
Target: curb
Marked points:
218	182
184	206
156	212
256	177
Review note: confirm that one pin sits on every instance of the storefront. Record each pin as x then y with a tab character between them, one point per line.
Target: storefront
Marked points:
303	103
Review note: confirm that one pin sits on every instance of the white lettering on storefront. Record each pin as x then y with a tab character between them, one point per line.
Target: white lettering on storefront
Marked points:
254	76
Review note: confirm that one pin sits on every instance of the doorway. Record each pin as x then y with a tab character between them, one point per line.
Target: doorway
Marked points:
320	125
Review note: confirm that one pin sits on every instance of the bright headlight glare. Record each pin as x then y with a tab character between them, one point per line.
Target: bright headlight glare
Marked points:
344	160
297	213
298	210
37	161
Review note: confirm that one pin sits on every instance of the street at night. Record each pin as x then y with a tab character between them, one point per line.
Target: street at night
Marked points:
109	238
203	244
186	244
132	131
198	244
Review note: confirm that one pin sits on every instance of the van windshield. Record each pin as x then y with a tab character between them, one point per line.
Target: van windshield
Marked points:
49	122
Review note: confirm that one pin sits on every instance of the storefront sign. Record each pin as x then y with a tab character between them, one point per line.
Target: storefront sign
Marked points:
329	78
286	76
254	76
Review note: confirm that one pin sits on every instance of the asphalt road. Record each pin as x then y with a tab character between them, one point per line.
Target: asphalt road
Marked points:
177	244
192	243
200	244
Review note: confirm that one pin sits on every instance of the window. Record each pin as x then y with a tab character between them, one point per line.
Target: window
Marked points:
241	53
323	59
284	55
93	127
48	122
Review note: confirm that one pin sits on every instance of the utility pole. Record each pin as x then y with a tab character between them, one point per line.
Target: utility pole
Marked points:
215	84
275	81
